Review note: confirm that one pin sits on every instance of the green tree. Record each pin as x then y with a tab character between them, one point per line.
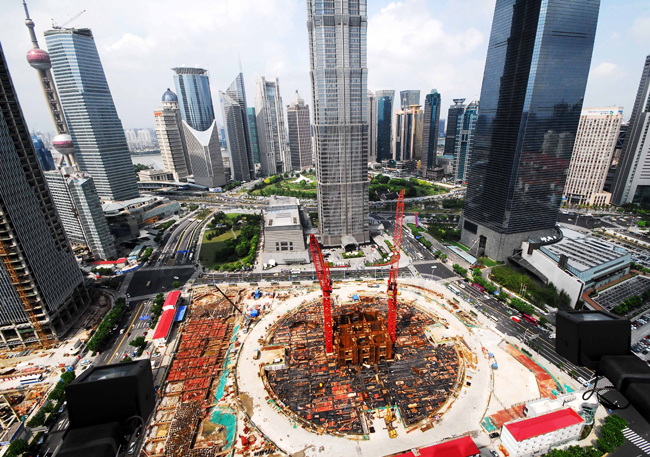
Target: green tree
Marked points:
37	419
138	342
176	284
437	253
477	272
443	257
16	448
616	421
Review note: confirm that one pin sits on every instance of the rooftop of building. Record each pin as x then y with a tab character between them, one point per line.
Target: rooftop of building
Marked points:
461	447
69	31
190	70
276	200
584	252
541	425
285	218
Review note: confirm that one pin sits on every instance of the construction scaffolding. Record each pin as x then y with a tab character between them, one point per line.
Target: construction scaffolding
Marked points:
416	377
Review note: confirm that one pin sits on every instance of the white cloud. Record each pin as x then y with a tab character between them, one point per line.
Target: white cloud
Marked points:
131	43
604	69
641	29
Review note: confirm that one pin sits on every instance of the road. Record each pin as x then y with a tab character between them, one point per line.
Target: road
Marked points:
304	275
522	330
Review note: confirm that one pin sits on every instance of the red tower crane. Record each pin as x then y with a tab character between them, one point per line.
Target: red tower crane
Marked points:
394	267
323	272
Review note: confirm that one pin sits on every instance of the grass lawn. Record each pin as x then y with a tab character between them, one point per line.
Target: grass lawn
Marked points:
462	246
203	214
489	262
210	247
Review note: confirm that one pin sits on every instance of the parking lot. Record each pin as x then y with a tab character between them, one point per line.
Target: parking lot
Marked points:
614	296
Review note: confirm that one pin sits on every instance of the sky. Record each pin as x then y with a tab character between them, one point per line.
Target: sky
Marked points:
412	44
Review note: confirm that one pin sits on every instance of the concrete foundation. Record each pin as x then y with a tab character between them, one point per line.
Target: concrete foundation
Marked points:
497	246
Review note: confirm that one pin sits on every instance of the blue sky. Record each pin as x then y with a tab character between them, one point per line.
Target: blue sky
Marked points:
412	44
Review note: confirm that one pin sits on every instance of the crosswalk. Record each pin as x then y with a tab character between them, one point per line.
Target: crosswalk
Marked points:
635	439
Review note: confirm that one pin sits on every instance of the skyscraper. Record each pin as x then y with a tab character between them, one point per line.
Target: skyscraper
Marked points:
616	156
74	192
237	130
408	98
454	116
42	290
631	182
252	126
339	76
44	155
430	128
171	138
384	124
592	154
237	138
204	153
299	125
372	127
407	143
534	82
96	129
271	133
194	96
464	143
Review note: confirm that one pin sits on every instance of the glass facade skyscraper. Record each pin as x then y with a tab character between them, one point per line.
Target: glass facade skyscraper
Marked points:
454	116
464	143
384	124
237	134
96	129
194	97
272	135
536	71
255	142
430	129
44	155
408	98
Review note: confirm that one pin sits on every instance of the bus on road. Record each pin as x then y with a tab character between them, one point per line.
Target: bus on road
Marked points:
31	379
530	319
478	287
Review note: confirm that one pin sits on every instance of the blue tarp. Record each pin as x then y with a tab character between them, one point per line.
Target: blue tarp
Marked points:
181	313
254	313
355	297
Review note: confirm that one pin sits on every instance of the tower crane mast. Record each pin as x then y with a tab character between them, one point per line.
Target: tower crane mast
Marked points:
323	272
394	267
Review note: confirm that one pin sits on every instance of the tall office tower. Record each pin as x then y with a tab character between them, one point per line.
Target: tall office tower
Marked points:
441	133
194	96
339	79
271	133
237	139
632	182
464	144
534	82
171	138
42	290
372	127
384	124
81	212
408	98
204	153
299	125
96	129
237	93
252	126
407	142
592	154
74	192
616	156
430	129
44	155
454	116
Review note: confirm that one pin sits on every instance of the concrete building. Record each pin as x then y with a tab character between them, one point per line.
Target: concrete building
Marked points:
171	138
339	76
156	175
585	408
459	447
573	262
194	97
284	241
407	140
372	127
299	124
80	210
536	436
533	88
408	98
385	100
632	182
204	152
430	131
95	128
592	155
42	290
271	133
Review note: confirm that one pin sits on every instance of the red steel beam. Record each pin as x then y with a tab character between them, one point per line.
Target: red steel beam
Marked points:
394	267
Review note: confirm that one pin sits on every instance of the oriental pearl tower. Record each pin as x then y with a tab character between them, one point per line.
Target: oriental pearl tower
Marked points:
40	60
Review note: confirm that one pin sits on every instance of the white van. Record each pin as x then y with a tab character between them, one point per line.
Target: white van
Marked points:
583	381
295	272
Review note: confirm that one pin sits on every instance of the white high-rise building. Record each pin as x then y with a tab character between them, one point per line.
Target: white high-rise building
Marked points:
372	127
237	132
271	132
144	137
171	138
339	76
592	153
299	133
204	152
81	212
